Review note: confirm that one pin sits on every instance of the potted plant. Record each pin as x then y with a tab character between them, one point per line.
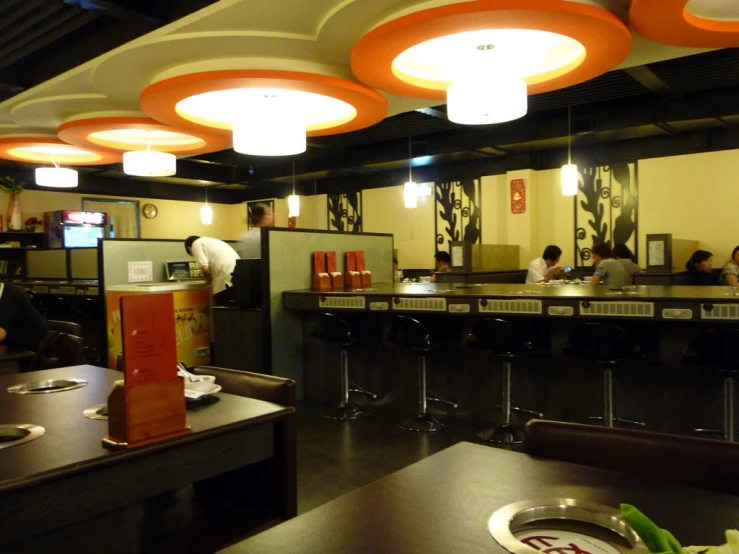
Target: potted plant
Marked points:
13	187
31	224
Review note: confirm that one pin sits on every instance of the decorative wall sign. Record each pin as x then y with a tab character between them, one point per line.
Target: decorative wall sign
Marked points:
606	209
345	211
518	196
250	206
458	212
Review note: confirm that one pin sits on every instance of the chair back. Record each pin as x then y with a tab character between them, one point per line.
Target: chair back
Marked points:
69	327
410	333
702	463
332	328
602	342
500	337
59	350
716	349
259	386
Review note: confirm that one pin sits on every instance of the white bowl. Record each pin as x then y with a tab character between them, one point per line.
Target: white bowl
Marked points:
204	383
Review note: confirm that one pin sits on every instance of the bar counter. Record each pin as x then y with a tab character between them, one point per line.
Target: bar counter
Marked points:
658	387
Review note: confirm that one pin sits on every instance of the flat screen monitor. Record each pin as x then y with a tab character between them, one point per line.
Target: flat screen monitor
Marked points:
82	236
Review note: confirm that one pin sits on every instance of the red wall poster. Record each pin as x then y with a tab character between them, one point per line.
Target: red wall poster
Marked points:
518	196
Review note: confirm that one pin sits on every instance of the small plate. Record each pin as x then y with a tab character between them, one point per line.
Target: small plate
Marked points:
197	395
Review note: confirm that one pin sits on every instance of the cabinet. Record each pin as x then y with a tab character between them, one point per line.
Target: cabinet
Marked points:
13	258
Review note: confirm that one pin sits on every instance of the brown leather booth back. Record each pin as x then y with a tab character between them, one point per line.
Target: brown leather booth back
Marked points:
269	388
69	327
702	463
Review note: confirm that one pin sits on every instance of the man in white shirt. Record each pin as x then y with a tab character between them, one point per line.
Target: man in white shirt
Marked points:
217	261
261	216
544	269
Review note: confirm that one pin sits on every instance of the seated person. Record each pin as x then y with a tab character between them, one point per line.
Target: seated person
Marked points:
700	268
443	264
607	269
730	274
21	326
623	254
544	269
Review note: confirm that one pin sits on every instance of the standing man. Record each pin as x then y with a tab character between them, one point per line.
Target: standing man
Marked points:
216	261
21	326
261	216
544	269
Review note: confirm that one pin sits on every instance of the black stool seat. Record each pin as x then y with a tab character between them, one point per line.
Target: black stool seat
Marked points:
334	330
507	341
609	346
715	351
414	335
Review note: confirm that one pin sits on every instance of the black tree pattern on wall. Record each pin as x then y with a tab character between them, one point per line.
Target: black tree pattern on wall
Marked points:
606	208
250	207
458	212
345	212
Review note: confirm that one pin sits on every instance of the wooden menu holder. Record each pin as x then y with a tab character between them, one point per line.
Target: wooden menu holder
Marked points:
321	279
365	276
336	277
353	278
149	405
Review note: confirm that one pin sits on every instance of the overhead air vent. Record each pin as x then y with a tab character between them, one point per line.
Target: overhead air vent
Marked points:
342	302
420	304
721	311
515	306
618	309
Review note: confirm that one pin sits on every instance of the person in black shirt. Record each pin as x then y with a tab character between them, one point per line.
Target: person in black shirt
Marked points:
700	267
21	326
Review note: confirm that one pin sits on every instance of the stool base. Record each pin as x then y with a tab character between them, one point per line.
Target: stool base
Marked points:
423	423
503	433
347	412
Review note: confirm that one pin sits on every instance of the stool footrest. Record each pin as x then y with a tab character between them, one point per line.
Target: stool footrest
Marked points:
433	397
719	432
619	420
353	387
423	423
523	411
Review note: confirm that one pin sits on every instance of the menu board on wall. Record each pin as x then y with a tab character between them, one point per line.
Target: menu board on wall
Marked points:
148	332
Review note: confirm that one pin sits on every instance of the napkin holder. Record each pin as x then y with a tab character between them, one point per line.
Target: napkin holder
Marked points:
335	276
321	279
145	414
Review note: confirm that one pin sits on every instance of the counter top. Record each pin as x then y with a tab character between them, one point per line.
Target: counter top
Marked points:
556	290
170	286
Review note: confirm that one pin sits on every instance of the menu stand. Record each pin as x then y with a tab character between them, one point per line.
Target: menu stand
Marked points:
321	279
144	414
353	278
337	278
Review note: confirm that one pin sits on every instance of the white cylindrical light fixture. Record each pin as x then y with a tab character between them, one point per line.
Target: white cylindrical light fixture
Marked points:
206	214
293	205
569	179
56	177
482	101
149	163
269	126
410	194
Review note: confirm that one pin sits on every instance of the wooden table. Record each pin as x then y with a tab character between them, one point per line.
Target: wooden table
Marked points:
65	489
442	504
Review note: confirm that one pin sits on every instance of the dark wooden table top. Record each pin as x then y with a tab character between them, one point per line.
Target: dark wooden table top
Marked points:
72	442
8	354
556	290
442	504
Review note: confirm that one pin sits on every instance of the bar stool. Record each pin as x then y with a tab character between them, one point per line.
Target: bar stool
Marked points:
609	346
715	349
508	342
411	333
334	330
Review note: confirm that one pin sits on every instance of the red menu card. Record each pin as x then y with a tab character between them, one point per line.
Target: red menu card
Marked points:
331	262
148	332
351	261
360	261
319	262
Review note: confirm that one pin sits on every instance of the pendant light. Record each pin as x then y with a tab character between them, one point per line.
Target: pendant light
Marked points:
206	211
56	177
269	126
569	177
293	201
149	163
410	188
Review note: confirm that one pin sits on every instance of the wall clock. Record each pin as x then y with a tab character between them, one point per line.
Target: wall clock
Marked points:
150	211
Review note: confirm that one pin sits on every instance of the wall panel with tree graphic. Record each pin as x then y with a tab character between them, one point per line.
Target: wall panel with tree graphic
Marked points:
458	212
606	209
345	212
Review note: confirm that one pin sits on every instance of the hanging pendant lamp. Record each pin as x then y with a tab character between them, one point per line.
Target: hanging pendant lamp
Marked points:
410	188
56	177
569	178
206	211
293	201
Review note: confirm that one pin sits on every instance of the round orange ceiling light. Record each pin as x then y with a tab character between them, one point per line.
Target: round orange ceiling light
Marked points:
215	100
50	150
694	23
138	133
551	44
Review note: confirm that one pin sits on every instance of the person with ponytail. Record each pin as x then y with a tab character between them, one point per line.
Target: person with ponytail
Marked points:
700	268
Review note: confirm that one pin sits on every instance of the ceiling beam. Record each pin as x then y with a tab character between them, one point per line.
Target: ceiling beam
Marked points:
650	81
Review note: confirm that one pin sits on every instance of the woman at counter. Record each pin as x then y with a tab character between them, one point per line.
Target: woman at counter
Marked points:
625	256
607	269
730	274
700	268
